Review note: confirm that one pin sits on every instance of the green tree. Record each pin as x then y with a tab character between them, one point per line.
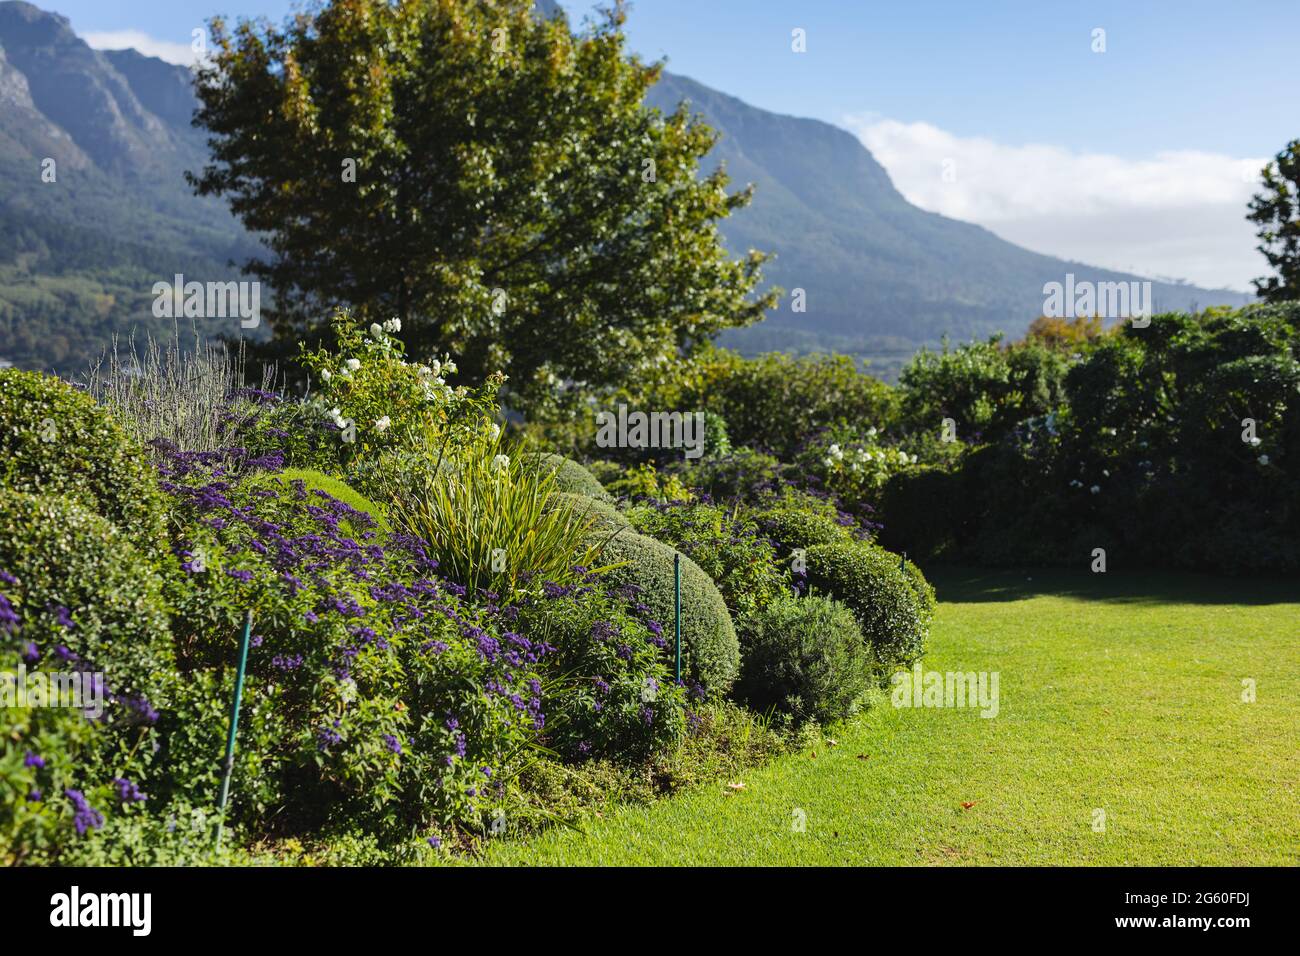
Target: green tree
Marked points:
1277	212
490	178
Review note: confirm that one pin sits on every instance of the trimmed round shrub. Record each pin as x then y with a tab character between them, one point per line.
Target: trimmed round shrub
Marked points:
710	650
54	440
88	599
882	596
805	657
605	516
791	528
572	477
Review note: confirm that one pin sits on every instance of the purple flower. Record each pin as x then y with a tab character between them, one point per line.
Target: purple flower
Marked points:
32	760
84	817
393	743
127	791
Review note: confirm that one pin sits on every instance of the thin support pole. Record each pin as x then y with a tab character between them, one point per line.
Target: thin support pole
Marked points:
228	765
677	611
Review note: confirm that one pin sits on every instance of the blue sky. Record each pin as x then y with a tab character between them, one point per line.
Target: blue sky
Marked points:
1056	146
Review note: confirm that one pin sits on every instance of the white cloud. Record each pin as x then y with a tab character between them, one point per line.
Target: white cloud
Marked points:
167	50
1178	214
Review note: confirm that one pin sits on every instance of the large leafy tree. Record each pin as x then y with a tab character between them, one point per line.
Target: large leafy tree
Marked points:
515	203
1277	212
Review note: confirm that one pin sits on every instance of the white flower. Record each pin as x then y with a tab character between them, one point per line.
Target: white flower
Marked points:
435	369
376	331
353	364
393	325
501	462
914	459
1106	472
495	431
1263	459
1255	440
1095	489
834	452
871	432
381	425
326	375
449	367
1076	483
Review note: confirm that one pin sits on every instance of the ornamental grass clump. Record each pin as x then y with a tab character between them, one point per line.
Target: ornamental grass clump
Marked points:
491	524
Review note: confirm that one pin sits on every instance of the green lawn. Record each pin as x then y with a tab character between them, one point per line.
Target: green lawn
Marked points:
1118	692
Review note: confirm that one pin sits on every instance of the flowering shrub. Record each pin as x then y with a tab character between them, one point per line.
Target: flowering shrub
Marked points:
373	399
610	677
856	470
377	692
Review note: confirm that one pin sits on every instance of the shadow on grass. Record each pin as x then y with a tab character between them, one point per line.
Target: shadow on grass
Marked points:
963	585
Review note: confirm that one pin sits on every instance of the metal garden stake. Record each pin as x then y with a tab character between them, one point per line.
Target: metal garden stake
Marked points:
677	611
228	765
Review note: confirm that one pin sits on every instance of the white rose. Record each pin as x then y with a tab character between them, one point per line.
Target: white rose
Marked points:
326	375
353	364
381	425
376	331
393	325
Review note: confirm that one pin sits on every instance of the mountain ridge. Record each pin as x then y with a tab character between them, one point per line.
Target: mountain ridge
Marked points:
881	276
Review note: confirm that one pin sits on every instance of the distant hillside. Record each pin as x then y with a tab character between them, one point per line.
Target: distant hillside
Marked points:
81	254
881	275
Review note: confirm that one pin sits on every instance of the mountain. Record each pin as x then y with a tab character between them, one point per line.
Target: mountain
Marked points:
81	254
94	207
880	275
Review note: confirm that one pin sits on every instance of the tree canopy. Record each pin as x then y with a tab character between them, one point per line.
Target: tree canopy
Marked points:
1276	210
489	177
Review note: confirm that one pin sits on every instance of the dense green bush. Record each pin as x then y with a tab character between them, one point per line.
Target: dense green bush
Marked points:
56	440
726	546
922	511
1171	445
793	528
805	657
572	477
893	617
744	475
710	650
102	599
77	601
775	401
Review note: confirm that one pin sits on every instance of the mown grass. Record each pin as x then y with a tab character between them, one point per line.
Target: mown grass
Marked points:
1118	692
